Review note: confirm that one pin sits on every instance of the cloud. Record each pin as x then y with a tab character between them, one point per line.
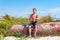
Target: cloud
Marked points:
51	10
54	12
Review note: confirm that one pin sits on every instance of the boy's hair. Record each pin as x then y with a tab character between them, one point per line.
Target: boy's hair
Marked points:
34	9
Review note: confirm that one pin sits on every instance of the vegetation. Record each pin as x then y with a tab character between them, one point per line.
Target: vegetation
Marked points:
7	21
1	37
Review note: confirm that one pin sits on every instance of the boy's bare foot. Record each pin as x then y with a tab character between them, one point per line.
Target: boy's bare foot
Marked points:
34	35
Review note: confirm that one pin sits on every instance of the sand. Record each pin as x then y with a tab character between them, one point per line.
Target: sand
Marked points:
40	38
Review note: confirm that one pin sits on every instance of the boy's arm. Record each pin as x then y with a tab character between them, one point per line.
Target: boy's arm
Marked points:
37	17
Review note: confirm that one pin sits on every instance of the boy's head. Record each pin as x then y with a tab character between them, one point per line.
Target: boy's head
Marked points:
34	10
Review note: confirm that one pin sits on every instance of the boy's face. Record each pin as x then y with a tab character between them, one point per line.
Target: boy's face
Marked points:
34	11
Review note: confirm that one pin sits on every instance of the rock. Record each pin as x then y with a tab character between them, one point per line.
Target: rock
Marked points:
20	28
43	28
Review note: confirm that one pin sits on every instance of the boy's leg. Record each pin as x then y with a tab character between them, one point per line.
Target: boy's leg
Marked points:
29	31
35	30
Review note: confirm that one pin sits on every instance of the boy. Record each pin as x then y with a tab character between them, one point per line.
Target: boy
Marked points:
33	19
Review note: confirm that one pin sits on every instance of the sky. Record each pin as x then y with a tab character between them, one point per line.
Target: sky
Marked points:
23	8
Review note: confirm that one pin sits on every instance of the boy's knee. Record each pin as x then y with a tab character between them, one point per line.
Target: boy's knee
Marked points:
29	27
35	26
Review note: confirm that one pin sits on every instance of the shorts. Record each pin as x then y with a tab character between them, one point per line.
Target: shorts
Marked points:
32	24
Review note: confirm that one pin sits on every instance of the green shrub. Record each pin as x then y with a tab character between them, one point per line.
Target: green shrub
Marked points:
1	37
55	34
16	33
24	37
